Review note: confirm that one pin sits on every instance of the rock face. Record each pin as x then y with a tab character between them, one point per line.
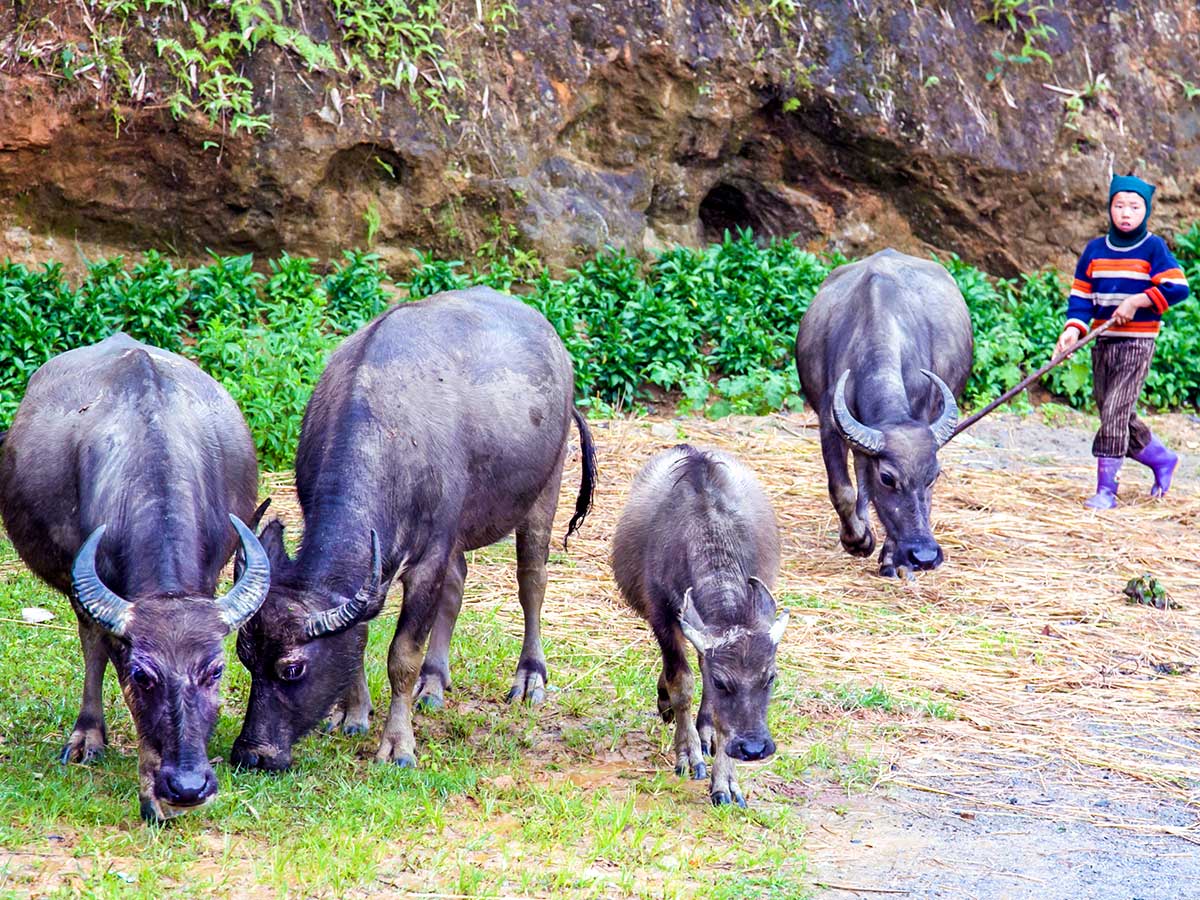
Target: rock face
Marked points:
637	124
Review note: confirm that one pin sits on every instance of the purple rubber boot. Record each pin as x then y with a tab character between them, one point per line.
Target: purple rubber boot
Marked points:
1106	483
1162	463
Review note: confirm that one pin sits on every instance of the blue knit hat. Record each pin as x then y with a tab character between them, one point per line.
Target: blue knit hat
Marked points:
1143	189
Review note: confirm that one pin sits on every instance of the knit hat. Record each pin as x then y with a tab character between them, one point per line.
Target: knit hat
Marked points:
1116	236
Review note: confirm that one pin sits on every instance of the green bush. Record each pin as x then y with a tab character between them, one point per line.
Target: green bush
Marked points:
271	364
714	327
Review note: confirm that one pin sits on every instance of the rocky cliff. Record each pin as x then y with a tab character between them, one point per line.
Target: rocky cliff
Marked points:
860	124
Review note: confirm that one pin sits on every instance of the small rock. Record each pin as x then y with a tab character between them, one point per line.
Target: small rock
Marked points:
35	615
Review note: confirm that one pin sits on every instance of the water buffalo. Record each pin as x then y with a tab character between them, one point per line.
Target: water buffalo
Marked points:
439	427
882	353
119	477
695	554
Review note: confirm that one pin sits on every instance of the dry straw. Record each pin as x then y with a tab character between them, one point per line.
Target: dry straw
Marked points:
1023	633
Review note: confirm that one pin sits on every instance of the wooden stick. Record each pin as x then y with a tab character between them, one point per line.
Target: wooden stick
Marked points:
1030	379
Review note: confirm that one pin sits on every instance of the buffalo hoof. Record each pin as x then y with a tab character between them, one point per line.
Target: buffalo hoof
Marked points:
84	746
430	702
720	798
887	570
529	685
348	722
430	692
707	735
689	760
860	546
149	813
392	750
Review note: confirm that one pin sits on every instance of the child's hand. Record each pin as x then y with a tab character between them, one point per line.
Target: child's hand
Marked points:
1130	305
1068	339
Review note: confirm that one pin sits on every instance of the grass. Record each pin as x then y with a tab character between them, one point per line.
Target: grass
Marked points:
1017	649
575	798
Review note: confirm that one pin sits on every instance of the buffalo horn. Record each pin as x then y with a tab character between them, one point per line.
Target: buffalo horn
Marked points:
868	440
250	589
943	428
362	606
106	609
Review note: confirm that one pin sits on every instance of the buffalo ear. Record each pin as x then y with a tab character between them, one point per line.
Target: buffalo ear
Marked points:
692	625
258	513
761	599
271	539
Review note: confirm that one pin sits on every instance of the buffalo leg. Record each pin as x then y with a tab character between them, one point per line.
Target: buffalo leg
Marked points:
855	530
89	738
704	718
422	593
887	559
724	787
533	549
677	679
353	712
434	680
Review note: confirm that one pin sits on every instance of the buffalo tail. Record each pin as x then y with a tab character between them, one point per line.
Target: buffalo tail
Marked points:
587	485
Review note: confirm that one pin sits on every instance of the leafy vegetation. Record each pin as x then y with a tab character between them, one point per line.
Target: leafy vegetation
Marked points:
711	330
205	49
1023	19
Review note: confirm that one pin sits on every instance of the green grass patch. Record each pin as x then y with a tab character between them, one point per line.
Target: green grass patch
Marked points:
576	798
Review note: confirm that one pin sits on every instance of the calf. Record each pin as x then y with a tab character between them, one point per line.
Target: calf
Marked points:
695	554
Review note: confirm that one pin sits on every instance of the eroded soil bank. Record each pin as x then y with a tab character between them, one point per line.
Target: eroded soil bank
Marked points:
856	125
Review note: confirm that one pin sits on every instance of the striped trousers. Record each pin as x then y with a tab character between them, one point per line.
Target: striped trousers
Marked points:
1119	369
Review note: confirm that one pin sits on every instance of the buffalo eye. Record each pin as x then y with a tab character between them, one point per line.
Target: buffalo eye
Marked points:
887	479
292	671
142	678
722	685
771	679
215	673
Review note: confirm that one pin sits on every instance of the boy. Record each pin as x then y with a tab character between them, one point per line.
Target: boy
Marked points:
1131	277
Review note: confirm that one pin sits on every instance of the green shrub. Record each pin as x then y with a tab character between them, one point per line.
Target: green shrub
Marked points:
145	302
355	291
228	289
271	364
714	327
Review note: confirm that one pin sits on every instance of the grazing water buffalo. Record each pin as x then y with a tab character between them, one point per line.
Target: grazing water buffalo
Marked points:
119	478
695	554
882	352
439	427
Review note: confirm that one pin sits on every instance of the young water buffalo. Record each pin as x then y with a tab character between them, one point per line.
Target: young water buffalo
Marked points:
119	478
438	428
882	352
695	554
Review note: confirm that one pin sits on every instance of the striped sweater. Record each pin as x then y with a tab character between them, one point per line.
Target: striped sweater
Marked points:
1106	275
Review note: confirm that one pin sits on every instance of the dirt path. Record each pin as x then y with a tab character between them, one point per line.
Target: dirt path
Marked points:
1000	828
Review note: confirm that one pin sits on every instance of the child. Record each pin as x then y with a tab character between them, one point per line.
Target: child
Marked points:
1131	277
